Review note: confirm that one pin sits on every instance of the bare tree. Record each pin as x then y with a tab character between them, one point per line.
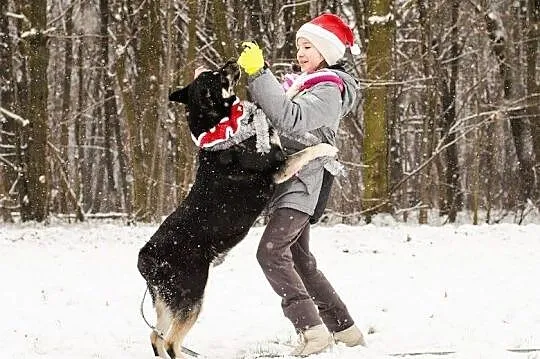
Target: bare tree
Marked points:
452	198
375	146
429	106
532	24
110	118
8	167
448	119
516	112
33	34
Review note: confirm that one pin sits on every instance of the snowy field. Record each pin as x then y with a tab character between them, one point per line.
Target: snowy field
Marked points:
73	291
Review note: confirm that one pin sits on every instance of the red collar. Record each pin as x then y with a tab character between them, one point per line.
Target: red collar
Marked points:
225	129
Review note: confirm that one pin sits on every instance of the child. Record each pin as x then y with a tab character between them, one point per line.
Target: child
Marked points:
314	103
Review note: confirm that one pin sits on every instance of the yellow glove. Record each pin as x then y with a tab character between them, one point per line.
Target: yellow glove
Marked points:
251	59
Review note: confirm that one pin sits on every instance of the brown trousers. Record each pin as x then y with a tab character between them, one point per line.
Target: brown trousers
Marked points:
284	256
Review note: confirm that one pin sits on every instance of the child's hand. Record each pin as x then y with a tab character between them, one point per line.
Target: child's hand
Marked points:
251	59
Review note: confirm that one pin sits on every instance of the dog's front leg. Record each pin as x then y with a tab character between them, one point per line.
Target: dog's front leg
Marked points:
297	160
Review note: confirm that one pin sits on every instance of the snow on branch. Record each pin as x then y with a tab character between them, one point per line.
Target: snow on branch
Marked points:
495	28
307	2
380	20
14	116
17	16
34	32
31	32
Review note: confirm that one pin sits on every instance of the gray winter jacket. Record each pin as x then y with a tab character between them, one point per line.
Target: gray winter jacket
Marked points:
317	110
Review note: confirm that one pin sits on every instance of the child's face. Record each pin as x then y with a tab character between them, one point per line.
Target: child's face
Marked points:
309	58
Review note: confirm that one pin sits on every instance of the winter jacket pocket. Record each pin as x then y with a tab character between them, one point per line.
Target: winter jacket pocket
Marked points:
310	175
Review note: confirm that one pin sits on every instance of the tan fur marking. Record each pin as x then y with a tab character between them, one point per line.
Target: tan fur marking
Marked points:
296	161
164	319
180	326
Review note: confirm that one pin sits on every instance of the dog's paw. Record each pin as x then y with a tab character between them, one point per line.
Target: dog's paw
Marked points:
281	176
325	149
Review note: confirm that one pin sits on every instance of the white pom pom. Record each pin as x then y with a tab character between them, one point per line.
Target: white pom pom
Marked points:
355	49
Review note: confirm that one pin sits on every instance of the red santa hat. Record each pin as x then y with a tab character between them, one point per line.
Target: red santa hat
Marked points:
330	36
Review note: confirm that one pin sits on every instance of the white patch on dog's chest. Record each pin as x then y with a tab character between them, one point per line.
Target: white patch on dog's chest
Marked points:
225	93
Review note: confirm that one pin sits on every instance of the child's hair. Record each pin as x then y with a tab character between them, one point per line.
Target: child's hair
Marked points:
296	68
322	65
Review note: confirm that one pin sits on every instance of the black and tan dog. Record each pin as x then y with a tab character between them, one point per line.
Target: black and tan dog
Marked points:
231	188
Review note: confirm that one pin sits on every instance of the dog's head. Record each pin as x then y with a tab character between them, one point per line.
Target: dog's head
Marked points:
209	97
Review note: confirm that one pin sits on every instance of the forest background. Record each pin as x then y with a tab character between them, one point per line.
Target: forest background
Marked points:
449	120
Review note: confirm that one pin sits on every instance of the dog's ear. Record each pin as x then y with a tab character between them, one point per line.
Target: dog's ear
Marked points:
180	95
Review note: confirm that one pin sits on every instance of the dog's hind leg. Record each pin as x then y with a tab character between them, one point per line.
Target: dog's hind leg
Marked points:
164	319
181	324
296	161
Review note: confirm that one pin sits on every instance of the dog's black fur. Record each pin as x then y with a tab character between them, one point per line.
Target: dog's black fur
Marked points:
230	191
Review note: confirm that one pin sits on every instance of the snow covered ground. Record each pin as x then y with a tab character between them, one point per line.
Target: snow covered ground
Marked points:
73	291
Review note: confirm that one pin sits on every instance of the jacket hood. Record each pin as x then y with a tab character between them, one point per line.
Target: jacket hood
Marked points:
350	92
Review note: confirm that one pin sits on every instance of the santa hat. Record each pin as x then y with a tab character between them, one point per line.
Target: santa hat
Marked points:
330	36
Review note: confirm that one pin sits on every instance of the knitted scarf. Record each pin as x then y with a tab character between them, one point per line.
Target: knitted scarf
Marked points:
244	121
293	84
226	128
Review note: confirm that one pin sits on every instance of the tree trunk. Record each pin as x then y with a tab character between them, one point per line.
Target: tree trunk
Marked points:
128	102
375	196
533	87
66	106
428	129
68	186
79	130
184	148
110	118
255	19
8	173
294	17
488	163
124	140
94	184
224	42
149	57
453	199
34	206
517	117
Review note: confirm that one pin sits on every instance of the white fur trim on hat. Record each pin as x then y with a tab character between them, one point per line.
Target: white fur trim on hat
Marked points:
355	49
328	44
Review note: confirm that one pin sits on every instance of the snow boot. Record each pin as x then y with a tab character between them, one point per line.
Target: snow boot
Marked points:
351	337
313	340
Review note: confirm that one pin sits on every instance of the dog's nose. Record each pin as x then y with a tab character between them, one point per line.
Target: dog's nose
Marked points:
234	67
231	64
